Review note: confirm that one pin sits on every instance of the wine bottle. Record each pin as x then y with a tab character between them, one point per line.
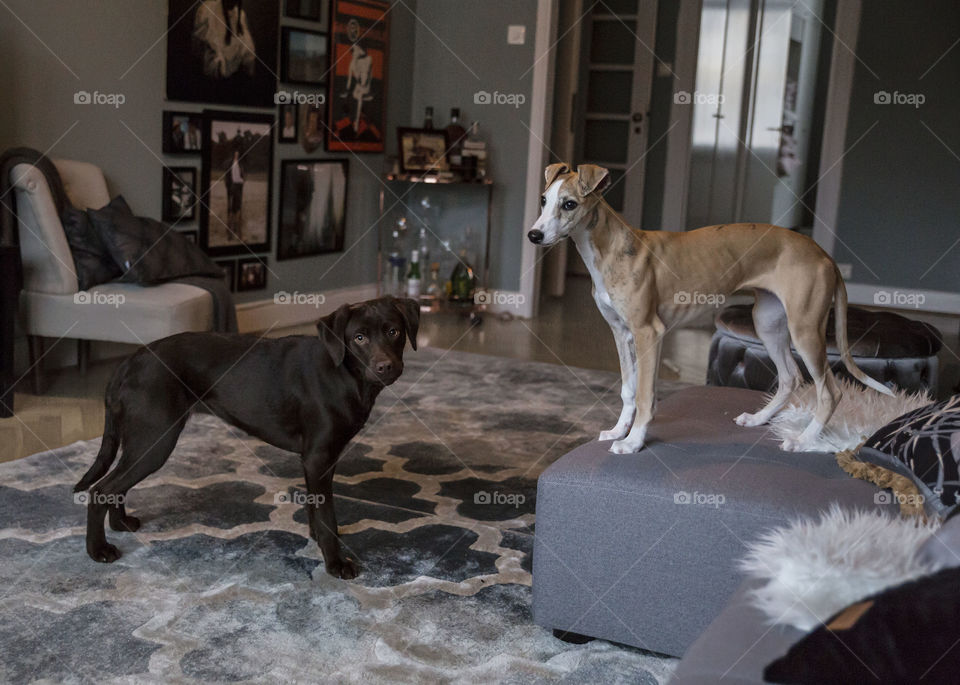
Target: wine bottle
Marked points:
456	134
462	281
428	119
413	276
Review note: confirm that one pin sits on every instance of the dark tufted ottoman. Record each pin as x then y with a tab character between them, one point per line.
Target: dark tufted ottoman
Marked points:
891	348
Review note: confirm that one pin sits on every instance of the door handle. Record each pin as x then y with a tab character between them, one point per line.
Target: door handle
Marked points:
778	129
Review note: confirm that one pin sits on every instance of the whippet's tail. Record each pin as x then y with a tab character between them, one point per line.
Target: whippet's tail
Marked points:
840	318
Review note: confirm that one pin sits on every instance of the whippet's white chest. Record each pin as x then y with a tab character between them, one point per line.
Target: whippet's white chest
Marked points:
601	295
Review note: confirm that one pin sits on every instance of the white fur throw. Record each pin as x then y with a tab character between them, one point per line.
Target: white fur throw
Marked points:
813	569
859	415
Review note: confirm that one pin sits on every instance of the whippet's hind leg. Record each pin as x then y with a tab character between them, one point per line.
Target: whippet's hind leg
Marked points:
770	322
628	375
811	343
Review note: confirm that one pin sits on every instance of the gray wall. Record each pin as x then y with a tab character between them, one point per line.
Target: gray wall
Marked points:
900	195
98	42
461	48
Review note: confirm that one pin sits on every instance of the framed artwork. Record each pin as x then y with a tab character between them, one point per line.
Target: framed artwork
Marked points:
237	174
179	193
222	51
182	133
303	56
310	10
359	40
312	127
313	205
229	267
252	274
193	236
422	150
287	123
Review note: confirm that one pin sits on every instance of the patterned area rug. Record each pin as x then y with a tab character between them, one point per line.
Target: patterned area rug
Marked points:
435	498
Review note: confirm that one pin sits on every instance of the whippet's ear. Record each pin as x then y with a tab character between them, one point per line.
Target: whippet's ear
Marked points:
410	309
332	329
554	170
592	177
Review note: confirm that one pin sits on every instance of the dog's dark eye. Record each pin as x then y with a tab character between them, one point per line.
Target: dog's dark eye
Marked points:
568	205
393	332
543	200
360	338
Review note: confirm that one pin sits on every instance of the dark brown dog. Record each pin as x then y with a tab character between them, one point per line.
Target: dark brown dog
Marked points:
300	393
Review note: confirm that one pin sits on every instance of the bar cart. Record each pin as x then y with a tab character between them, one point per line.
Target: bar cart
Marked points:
447	221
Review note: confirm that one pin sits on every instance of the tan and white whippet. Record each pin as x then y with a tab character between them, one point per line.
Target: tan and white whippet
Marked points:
646	282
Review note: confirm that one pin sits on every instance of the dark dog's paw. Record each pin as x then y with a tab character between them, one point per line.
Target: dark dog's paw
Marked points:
106	553
128	524
343	568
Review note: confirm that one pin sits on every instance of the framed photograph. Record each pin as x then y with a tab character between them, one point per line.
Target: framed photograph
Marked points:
313	205
312	127
303	56
193	236
356	101
422	150
310	10
229	267
182	133
179	193
252	274
222	51
237	174
287	120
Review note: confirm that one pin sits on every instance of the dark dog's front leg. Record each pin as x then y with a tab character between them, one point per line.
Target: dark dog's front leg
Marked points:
318	469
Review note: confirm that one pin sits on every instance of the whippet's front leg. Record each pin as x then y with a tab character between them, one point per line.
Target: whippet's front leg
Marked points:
647	352
628	373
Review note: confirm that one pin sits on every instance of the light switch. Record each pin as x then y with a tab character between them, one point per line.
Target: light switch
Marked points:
516	34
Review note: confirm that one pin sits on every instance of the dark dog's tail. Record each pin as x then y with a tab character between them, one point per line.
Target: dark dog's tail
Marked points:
111	438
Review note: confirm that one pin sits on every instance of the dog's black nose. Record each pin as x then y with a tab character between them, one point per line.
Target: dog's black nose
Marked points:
535	236
384	367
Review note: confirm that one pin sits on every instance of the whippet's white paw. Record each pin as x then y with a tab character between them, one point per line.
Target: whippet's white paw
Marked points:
615	433
792	445
749	420
626	446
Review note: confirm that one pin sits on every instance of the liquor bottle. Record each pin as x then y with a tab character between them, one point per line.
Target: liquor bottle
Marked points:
413	276
462	281
430	299
456	135
475	147
428	119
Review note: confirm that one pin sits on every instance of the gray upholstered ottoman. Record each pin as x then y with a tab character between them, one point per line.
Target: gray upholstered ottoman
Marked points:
642	548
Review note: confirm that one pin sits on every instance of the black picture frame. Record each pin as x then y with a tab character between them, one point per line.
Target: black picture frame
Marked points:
229	267
308	10
359	41
282	111
209	62
251	274
222	232
304	69
179	137
179	194
300	206
430	158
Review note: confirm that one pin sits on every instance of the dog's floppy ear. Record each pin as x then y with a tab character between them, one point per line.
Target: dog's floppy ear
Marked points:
554	170
592	177
410	309
332	328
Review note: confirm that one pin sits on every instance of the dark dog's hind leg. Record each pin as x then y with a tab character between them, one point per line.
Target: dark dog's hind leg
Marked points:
108	446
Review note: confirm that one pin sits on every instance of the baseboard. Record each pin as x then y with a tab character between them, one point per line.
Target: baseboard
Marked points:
903	299
287	309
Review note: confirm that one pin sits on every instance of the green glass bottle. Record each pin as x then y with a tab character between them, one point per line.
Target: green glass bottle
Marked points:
462	281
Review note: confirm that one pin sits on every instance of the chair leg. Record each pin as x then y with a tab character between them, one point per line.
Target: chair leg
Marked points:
35	343
83	356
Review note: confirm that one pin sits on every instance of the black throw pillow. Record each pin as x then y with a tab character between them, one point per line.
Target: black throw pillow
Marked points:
906	634
91	259
146	250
